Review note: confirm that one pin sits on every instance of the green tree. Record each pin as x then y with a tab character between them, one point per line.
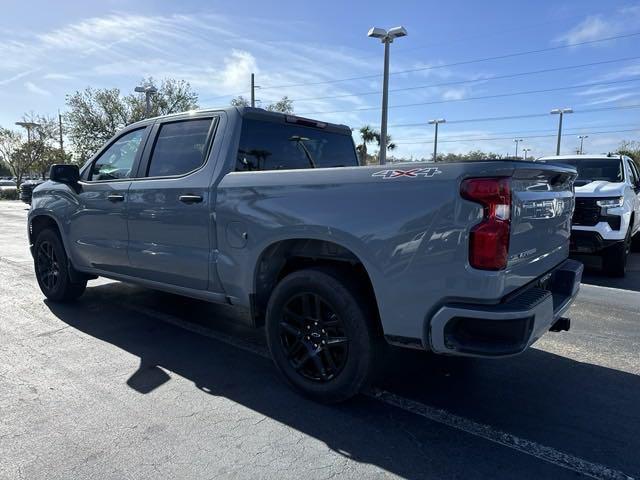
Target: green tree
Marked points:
631	149
368	135
10	144
284	105
96	115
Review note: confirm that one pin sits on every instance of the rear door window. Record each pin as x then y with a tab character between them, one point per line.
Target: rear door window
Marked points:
280	146
180	147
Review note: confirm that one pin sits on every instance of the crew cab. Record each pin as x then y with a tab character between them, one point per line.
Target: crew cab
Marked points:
272	213
606	220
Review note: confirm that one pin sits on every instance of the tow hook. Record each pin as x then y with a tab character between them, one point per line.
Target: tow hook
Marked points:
563	324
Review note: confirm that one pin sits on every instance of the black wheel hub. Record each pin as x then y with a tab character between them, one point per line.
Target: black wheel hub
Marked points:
313	337
47	265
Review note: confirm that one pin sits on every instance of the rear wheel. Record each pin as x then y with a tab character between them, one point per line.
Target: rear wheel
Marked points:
320	334
52	272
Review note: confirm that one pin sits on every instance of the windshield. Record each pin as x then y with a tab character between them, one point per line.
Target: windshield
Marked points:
594	169
275	146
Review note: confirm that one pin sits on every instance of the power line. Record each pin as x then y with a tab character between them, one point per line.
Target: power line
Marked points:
477	80
517	117
433	67
483	97
479	139
464	62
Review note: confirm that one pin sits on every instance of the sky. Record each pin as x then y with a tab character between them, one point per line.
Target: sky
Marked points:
319	55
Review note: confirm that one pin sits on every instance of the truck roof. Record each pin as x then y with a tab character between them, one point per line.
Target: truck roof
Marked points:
576	156
258	113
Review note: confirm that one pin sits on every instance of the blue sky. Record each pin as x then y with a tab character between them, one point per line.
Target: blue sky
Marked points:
49	49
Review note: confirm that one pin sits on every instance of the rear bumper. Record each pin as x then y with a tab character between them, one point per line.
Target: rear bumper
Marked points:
511	326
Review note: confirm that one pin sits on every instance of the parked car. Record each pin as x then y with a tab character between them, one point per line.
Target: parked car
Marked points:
271	212
26	189
606	220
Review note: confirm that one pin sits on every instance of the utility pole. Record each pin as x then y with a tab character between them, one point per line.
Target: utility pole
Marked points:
436	122
253	91
561	112
526	150
517	140
386	37
582	137
60	132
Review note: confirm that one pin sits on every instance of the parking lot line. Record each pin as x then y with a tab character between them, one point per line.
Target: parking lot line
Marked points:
527	447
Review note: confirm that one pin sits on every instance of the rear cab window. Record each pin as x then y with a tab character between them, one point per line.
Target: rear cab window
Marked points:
271	145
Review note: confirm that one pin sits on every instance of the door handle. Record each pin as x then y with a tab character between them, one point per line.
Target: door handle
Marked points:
115	197
190	198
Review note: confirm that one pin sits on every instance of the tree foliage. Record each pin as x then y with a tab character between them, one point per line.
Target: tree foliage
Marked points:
631	149
368	135
96	115
284	105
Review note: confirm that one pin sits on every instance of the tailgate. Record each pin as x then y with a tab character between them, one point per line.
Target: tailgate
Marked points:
542	203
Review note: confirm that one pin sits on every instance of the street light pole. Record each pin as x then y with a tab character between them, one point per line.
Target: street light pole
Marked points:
582	137
526	150
148	91
28	126
561	112
517	140
436	122
386	37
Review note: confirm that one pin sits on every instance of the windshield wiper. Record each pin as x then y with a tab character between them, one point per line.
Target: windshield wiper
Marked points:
300	141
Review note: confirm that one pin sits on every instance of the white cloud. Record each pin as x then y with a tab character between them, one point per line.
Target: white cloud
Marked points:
454	93
15	77
592	28
33	88
237	70
57	76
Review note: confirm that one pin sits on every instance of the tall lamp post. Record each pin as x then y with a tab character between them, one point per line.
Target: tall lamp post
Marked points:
561	112
526	150
386	37
148	91
28	126
436	122
517	142
582	137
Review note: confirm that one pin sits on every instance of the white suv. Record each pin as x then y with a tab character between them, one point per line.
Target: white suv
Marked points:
606	219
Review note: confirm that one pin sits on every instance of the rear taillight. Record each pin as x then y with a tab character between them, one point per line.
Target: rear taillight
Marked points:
489	240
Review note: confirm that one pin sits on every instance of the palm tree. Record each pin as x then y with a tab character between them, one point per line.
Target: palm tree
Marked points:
368	135
390	145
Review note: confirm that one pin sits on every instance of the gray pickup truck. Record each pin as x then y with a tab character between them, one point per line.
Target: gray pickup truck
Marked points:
272	213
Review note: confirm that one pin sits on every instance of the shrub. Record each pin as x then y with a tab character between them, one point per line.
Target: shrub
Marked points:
9	194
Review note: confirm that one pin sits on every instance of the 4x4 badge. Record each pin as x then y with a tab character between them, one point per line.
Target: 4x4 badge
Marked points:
414	172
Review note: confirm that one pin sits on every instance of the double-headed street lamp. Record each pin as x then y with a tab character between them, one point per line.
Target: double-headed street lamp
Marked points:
526	150
436	122
148	91
561	112
582	137
386	37
517	141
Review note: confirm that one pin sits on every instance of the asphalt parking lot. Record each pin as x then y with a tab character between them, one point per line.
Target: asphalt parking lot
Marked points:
132	383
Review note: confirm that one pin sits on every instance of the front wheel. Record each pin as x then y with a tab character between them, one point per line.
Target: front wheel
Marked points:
614	258
321	335
52	272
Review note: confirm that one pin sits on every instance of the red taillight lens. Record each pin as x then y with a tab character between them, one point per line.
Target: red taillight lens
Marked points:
489	240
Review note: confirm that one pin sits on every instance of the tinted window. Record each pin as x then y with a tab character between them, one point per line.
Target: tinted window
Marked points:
180	147
276	146
635	176
117	161
592	169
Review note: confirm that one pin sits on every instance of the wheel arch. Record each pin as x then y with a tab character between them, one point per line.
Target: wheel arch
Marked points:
283	257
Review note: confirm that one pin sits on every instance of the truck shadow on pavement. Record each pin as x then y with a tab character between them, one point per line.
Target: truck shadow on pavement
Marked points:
578	408
594	275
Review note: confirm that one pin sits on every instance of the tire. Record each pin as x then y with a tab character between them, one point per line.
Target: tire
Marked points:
614	258
312	306
52	269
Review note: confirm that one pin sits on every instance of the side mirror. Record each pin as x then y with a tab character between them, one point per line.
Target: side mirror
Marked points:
64	173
